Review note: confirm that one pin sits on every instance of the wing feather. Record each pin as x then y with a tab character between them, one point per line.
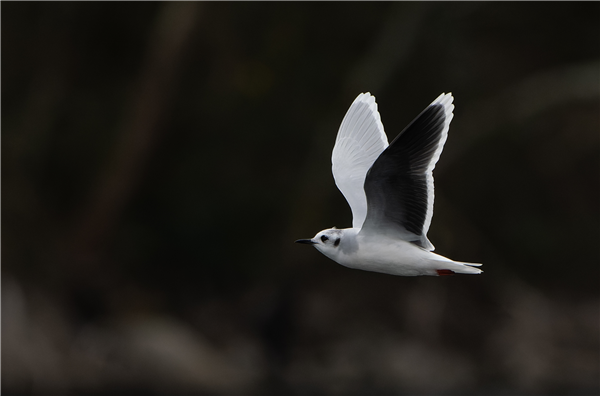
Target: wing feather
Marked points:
399	185
360	140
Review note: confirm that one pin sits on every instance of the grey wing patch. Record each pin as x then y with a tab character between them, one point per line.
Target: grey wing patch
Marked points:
399	185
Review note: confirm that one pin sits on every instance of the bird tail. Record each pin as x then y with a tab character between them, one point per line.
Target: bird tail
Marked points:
455	267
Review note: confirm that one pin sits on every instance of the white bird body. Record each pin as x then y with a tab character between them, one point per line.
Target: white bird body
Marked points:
390	191
389	256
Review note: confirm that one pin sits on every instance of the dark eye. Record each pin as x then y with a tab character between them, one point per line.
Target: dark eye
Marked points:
324	238
337	242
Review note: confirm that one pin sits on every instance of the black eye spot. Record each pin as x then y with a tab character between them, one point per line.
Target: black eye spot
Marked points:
324	238
337	242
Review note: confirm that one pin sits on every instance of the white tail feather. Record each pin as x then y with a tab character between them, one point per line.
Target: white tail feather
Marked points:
459	267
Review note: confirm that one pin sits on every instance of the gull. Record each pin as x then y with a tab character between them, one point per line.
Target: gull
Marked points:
389	188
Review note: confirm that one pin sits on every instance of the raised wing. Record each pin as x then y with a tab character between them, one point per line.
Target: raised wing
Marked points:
399	185
359	142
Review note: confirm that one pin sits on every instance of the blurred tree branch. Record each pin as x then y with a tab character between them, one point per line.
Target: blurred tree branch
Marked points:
390	49
140	129
527	98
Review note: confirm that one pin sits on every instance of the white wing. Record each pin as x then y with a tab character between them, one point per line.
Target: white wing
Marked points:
360	140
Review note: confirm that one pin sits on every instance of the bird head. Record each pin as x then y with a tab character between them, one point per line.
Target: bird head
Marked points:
326	241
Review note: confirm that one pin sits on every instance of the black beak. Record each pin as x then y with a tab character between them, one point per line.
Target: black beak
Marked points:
305	241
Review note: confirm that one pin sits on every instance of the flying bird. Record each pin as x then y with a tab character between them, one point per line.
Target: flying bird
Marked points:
389	188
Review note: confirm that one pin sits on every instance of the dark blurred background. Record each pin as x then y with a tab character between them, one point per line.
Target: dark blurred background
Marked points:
159	160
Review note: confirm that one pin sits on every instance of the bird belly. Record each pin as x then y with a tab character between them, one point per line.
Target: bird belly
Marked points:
395	257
